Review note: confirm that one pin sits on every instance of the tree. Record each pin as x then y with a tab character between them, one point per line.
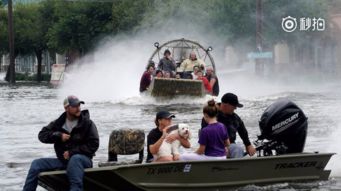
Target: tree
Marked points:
29	33
78	25
3	32
128	14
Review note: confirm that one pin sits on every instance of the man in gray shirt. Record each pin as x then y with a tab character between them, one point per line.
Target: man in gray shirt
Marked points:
167	63
75	140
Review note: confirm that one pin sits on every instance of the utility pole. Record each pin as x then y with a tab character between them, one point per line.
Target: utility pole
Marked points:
259	68
10	76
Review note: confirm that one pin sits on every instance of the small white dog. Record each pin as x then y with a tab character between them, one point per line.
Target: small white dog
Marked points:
168	151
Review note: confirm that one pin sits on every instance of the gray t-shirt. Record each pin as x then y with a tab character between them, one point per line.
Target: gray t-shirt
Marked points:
69	125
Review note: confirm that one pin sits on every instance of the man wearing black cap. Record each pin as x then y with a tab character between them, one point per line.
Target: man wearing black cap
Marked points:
157	135
75	140
167	63
234	124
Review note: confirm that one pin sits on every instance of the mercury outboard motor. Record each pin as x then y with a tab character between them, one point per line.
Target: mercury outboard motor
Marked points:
284	125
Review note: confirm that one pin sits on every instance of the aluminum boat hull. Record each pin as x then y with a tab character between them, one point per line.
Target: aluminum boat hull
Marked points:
198	175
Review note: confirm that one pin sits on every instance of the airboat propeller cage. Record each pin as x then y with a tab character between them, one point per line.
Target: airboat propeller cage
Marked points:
284	122
180	49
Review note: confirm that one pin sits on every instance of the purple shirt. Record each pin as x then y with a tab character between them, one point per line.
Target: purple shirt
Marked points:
213	136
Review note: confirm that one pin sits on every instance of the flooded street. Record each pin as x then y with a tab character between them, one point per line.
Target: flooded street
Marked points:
26	109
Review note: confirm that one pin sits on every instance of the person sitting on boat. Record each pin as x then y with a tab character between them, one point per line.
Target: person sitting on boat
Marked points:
158	74
227	116
213	79
75	140
213	139
195	72
187	65
204	80
146	78
167	63
167	74
157	135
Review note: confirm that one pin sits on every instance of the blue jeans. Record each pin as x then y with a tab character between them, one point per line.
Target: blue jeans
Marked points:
236	151
74	170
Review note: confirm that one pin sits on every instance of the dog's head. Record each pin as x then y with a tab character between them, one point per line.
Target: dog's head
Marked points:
184	131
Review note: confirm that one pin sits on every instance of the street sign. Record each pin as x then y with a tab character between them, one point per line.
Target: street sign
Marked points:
254	55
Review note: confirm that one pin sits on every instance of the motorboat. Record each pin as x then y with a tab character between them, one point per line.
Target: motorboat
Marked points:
280	158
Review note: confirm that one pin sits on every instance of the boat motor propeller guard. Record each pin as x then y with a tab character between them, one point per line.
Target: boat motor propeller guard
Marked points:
284	125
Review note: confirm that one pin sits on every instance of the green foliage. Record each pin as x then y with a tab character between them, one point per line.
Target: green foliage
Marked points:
3	32
127	14
27	33
77	24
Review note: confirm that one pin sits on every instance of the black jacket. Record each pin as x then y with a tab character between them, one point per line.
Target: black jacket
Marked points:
83	138
234	124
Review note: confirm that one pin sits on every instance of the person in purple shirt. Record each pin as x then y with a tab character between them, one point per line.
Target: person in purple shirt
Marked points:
213	139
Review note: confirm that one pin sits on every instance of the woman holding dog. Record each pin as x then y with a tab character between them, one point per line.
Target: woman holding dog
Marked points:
213	139
157	135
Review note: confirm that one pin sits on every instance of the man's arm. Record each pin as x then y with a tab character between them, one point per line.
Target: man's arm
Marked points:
160	65
48	135
174	64
245	137
183	65
212	82
91	144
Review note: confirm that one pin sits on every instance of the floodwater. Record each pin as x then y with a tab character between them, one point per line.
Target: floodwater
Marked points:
25	109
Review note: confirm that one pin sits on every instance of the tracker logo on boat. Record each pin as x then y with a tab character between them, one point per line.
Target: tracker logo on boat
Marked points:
285	122
296	165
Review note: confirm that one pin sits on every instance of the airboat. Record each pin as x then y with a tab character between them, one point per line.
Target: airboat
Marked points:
180	50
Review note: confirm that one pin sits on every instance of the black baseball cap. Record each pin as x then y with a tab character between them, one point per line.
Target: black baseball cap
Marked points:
72	101
231	99
164	115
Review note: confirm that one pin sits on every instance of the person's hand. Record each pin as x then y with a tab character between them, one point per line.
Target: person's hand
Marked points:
176	157
66	155
228	154
172	137
164	133
251	150
65	137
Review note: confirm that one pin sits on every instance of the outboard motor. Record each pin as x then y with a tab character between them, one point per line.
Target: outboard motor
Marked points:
284	125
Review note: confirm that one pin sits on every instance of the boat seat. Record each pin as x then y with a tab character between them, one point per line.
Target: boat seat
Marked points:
125	142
